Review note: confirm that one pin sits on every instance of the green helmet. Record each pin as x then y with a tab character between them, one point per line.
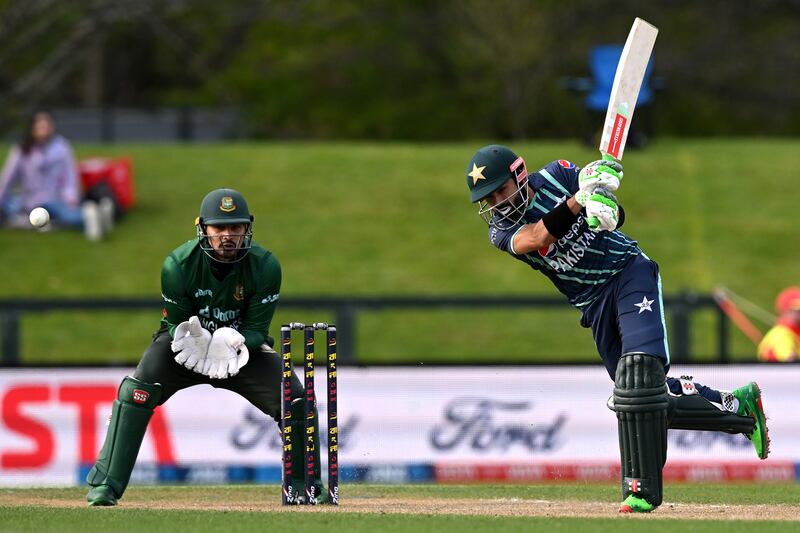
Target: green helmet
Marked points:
222	207
490	168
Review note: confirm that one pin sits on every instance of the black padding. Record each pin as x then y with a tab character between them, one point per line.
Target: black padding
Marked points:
641	401
695	412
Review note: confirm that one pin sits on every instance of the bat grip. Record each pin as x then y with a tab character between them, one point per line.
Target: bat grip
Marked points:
607	157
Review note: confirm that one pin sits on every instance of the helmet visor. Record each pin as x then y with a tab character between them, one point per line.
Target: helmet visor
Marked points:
508	211
230	249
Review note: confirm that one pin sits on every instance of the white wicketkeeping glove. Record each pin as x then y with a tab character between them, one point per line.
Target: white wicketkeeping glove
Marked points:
227	353
191	344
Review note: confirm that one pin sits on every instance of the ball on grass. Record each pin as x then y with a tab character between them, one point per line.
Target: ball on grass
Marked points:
39	217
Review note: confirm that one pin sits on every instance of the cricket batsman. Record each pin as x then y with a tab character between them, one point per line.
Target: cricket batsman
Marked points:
219	290
564	221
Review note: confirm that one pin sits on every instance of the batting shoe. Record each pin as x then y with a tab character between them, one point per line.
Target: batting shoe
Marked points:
750	405
101	495
635	504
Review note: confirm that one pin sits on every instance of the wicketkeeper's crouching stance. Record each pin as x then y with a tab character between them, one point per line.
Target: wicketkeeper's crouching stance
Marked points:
563	221
220	291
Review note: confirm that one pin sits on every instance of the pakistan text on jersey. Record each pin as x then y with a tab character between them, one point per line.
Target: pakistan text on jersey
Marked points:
573	254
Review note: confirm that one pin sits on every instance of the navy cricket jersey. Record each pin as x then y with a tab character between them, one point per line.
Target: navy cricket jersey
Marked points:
581	262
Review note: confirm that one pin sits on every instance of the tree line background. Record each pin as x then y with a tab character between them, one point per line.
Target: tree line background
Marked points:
400	69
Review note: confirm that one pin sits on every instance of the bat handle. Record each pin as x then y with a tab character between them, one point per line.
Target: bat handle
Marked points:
607	157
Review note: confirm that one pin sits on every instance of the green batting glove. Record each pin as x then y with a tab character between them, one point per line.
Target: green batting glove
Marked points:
601	173
602	210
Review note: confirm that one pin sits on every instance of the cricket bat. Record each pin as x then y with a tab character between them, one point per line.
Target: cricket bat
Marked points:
625	91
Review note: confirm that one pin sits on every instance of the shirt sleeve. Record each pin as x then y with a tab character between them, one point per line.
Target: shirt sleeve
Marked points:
566	173
177	304
504	239
261	305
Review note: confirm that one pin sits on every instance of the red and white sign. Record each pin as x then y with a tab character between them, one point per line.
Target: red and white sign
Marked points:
471	424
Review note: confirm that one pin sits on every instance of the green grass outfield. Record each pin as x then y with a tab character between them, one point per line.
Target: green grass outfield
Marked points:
417	508
394	219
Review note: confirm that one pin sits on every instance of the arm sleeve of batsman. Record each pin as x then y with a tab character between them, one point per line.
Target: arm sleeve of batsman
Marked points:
177	306
503	239
261	305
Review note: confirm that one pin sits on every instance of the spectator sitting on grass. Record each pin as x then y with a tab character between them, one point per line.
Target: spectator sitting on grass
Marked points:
40	171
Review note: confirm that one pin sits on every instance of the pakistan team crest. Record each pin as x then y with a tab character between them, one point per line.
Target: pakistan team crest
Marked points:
226	204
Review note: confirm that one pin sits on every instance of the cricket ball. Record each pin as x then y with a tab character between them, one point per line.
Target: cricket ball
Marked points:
39	217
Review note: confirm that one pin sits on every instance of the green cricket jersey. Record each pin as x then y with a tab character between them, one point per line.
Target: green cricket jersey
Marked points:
243	299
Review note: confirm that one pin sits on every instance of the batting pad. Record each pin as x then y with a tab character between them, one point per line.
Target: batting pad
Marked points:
130	414
692	411
640	400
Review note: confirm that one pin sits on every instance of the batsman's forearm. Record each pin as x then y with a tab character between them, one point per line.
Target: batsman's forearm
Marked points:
549	229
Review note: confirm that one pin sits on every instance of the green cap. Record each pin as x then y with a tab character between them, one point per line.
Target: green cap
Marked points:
224	206
488	169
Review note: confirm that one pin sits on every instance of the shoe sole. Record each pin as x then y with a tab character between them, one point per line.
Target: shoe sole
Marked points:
624	508
764	424
101	503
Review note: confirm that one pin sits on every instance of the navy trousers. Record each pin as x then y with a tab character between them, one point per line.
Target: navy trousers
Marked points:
628	317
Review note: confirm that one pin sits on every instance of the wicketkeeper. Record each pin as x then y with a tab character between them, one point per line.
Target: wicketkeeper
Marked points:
564	222
220	291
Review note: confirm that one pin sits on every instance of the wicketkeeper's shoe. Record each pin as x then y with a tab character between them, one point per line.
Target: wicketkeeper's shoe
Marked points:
101	495
749	398
319	490
635	504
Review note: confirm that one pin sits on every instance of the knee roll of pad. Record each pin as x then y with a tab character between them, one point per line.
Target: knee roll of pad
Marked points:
139	393
641	401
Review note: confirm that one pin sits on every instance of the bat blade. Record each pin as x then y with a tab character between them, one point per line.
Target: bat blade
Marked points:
625	91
